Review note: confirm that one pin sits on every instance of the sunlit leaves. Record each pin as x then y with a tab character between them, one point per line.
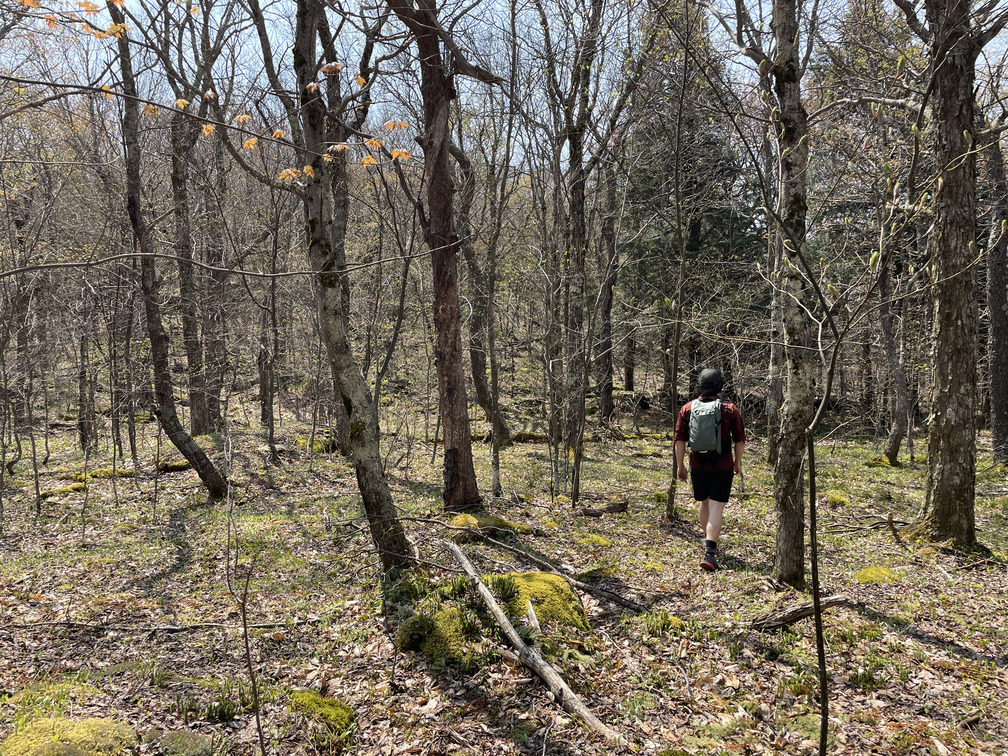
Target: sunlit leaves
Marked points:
278	134
338	147
29	3
373	143
312	86
369	160
208	129
150	110
401	155
243	118
88	7
250	143
290	174
331	68
108	91
181	104
361	81
396	125
308	171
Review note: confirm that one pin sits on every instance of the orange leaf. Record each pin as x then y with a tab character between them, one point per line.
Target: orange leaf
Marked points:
369	160
361	81
207	129
243	118
308	171
278	134
374	143
181	104
150	110
250	143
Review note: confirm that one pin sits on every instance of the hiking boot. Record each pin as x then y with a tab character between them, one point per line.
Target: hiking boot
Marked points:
709	562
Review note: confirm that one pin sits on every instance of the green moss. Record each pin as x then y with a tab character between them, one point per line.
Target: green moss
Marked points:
102	473
58	492
555	604
659	497
878	462
177	465
593	539
654	567
876	575
93	737
478	524
323	443
413	631
837	499
553	526
335	716
595	574
446	639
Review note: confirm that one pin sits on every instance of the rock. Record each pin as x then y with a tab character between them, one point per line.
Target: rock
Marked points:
178	743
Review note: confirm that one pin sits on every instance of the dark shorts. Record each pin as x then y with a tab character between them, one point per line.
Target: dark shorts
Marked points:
712	484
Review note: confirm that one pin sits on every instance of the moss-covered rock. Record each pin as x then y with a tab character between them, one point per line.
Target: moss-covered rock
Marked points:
478	524
555	603
178	743
837	499
92	737
446	639
102	473
593	539
876	574
175	465
334	715
413	631
58	492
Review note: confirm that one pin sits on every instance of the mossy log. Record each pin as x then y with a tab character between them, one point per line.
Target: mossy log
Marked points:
531	658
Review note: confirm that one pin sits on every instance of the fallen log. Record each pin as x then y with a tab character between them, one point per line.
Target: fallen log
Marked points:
531	658
789	615
608	509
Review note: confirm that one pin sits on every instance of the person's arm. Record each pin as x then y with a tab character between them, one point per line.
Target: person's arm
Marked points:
739	451
680	458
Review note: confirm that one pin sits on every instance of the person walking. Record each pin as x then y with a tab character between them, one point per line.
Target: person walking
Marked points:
714	431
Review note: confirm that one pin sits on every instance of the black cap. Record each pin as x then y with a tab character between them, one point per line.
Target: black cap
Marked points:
710	380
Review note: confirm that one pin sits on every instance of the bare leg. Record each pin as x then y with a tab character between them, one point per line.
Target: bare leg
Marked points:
704	510
715	516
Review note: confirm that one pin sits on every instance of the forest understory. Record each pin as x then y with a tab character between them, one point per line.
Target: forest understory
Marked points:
115	603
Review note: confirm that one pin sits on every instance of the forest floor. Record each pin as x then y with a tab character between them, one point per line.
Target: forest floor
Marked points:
122	609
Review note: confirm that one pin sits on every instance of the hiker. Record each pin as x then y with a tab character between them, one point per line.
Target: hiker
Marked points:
716	436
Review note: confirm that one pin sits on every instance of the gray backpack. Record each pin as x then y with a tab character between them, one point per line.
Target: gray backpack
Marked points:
705	428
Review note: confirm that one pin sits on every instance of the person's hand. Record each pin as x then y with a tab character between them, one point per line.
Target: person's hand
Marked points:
738	468
681	474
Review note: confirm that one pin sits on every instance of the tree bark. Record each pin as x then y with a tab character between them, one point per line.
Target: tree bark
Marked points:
437	89
997	299
165	407
898	418
326	208
183	136
799	399
604	350
948	512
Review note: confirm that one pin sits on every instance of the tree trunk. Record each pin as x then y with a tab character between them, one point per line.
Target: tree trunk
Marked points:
481	285
604	350
948	512
437	88
997	300
183	136
214	335
796	414
326	207
898	416
165	408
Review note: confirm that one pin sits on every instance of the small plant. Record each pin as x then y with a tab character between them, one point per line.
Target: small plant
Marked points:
660	622
187	708
505	586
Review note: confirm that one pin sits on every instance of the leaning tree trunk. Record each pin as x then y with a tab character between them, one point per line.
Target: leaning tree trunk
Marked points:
797	412
165	410
326	208
997	300
948	512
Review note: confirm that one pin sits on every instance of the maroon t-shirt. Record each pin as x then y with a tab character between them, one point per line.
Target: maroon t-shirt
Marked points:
732	432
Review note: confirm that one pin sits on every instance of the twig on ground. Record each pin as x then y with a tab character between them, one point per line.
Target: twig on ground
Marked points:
789	615
585	587
159	628
531	658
